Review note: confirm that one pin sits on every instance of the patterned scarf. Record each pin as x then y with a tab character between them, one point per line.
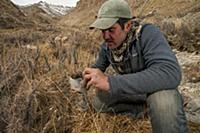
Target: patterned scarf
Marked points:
118	53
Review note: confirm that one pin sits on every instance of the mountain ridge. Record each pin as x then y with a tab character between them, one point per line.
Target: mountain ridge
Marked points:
53	10
15	16
11	15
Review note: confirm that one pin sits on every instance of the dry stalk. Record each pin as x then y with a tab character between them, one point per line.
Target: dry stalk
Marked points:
37	55
57	87
32	69
28	116
26	78
5	81
47	63
85	101
3	55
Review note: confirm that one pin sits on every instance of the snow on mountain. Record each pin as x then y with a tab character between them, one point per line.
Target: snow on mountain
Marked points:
53	10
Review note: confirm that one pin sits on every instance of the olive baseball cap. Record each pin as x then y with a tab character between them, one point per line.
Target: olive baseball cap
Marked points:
110	12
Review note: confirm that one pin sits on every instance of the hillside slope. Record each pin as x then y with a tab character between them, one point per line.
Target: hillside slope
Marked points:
28	24
178	19
11	16
85	11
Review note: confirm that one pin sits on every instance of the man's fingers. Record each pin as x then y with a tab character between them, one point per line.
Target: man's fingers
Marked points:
87	71
92	75
87	77
92	82
89	83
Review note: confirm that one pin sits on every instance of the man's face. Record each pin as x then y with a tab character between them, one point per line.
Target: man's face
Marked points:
114	36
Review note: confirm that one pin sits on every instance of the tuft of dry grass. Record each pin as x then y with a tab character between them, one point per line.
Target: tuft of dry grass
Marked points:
36	96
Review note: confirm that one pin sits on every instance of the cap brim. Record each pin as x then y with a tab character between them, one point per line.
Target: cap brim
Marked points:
103	23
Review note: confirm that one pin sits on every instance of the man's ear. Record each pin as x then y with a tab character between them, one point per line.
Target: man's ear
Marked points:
128	26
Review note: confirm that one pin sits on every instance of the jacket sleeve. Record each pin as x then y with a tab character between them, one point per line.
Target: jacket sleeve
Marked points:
102	61
161	72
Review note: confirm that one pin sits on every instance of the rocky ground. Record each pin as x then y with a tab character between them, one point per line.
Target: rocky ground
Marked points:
190	85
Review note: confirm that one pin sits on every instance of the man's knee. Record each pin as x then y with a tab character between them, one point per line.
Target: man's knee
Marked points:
166	101
166	111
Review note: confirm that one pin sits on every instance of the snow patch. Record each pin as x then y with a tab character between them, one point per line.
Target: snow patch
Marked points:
53	10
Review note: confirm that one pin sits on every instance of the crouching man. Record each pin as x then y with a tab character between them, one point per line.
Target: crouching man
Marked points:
148	71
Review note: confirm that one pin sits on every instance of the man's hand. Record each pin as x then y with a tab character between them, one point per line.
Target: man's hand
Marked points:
95	77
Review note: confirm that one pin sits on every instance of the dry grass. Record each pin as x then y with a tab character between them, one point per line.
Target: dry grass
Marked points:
39	99
36	97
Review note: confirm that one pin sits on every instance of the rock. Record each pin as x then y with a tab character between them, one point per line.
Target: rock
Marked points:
75	84
193	110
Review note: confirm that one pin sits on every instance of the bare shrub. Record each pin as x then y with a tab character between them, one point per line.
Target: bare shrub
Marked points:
184	38
22	37
168	27
42	107
183	33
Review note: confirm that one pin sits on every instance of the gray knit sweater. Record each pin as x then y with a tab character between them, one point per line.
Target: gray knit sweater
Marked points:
159	70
